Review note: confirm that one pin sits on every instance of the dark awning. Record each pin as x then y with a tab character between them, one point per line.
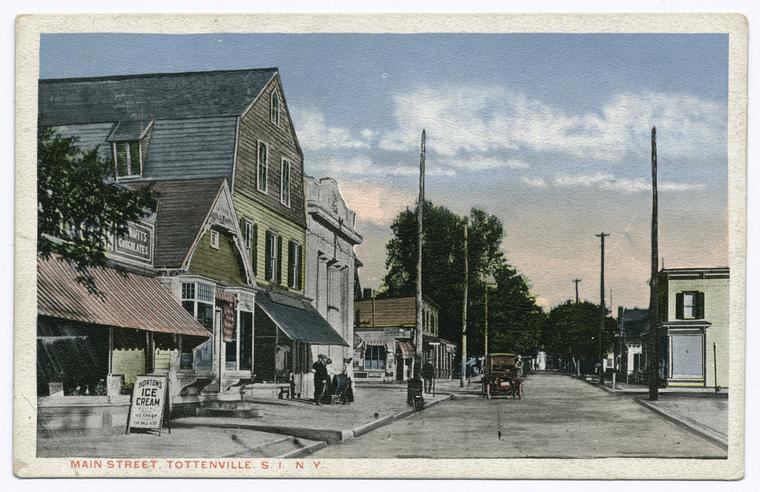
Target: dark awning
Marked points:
128	300
406	348
298	319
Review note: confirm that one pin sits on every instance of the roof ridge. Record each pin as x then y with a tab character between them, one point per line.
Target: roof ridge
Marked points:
155	74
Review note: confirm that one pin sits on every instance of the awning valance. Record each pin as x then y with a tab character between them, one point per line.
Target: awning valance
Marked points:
298	319
372	338
128	301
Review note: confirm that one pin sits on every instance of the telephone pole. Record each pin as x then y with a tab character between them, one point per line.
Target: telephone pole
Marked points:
603	309
418	339
576	281
654	315
463	375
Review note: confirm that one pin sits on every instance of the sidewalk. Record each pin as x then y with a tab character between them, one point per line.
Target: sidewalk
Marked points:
287	428
707	417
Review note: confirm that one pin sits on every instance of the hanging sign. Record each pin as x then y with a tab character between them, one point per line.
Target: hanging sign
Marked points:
147	410
136	245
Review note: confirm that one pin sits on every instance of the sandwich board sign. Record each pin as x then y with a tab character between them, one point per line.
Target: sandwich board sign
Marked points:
148	407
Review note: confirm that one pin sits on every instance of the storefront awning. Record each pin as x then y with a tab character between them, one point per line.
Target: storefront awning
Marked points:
371	338
406	348
127	301
298	319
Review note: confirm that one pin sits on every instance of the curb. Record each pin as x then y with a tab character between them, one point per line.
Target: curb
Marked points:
304	451
381	422
702	432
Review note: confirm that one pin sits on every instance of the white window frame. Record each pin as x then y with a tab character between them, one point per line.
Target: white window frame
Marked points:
126	143
274	116
214	238
692	296
285	164
274	256
259	183
296	266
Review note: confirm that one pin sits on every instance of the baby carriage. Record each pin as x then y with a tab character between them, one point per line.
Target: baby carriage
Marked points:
343	392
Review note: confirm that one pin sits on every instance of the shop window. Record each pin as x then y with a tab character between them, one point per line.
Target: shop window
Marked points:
127	159
374	357
198	300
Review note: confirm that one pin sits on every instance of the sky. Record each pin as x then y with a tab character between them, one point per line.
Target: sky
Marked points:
550	132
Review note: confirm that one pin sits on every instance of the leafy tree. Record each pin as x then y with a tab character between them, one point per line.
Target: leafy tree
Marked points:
79	207
514	321
572	332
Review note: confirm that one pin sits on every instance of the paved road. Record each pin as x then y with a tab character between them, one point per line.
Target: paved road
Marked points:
558	417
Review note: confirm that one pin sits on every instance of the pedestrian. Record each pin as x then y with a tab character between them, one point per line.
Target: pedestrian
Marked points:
519	366
321	377
428	371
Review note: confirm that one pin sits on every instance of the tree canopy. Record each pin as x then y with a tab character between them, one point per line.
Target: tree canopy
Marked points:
572	331
79	207
514	318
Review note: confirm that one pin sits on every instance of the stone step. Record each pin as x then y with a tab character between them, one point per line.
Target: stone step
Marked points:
245	413
230	404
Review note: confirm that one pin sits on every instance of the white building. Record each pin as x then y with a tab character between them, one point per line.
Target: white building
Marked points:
331	262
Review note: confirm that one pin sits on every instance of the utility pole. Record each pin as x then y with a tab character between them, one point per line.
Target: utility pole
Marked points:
463	375
576	281
418	342
654	315
603	309
485	320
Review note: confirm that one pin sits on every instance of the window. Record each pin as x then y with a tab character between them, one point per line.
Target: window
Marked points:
214	239
690	305
127	159
198	300
374	357
285	182
295	262
262	166
274	110
273	246
246	229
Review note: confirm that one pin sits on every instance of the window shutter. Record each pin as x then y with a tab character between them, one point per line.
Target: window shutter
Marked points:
700	297
255	248
679	305
268	256
291	263
279	260
299	273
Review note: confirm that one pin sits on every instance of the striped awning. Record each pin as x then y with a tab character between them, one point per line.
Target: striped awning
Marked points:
127	301
406	348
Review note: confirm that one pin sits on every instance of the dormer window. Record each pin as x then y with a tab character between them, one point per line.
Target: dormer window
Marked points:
274	111
127	159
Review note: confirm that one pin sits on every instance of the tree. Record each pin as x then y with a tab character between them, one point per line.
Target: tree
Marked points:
79	207
515	319
571	332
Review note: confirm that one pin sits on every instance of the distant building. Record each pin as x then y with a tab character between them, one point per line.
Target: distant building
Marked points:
694	341
631	324
384	348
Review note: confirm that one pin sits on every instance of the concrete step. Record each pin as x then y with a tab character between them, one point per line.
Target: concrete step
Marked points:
244	413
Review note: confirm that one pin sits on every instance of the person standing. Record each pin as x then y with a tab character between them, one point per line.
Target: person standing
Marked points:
320	378
428	372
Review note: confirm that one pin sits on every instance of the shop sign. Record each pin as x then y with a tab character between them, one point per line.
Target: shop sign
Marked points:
222	214
136	245
147	410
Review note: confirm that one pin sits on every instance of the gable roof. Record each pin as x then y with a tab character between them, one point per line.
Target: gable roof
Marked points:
183	206
149	96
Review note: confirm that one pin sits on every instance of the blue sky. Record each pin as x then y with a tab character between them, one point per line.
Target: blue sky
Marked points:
548	131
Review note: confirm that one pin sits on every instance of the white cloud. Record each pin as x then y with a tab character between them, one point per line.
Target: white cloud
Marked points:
315	134
625	185
374	202
492	119
481	163
365	166
534	182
